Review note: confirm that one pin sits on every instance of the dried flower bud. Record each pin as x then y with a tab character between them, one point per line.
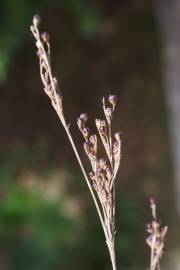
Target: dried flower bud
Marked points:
38	45
85	132
81	121
118	135
36	20
101	126
92	175
98	123
45	37
90	149
102	164
149	228
83	117
109	173
93	139
155	224
93	142
38	53
149	240
112	100
115	147
55	81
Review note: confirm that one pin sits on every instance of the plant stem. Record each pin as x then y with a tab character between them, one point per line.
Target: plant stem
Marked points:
112	255
111	247
51	89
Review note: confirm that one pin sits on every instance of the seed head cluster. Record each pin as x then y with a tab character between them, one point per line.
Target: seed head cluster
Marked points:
104	170
156	238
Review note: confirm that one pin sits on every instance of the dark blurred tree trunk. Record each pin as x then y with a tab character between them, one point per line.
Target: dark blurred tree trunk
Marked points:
168	15
169	20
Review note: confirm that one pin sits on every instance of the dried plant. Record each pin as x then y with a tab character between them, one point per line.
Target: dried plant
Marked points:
156	238
101	180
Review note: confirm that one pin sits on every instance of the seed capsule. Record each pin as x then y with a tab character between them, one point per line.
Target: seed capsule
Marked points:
112	100
83	117
45	37
36	20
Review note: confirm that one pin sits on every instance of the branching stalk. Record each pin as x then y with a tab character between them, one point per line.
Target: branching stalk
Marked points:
156	238
101	179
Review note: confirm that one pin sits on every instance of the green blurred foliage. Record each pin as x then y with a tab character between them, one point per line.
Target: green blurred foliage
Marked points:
130	231
36	233
16	16
86	15
128	226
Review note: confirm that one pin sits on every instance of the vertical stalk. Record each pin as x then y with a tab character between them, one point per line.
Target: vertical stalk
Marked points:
110	244
112	255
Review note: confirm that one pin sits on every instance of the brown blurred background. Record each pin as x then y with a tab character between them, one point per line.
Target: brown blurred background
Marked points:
129	48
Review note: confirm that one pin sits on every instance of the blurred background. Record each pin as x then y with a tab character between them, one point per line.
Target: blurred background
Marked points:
129	48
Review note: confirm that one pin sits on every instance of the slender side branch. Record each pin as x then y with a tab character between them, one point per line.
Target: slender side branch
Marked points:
51	88
156	238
